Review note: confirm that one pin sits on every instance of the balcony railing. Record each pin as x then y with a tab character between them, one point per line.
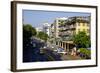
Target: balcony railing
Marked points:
72	27
68	38
65	33
63	29
67	28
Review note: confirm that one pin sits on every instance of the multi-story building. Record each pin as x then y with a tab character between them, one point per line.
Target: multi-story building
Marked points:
56	26
38	29
65	28
81	24
52	33
74	25
46	28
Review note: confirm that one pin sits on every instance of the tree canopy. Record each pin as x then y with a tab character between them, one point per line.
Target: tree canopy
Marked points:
81	40
42	35
28	30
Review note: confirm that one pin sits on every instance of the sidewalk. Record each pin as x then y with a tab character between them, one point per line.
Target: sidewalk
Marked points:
70	57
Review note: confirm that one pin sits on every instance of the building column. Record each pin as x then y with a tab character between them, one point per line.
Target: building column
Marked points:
59	44
65	46
68	47
62	44
56	42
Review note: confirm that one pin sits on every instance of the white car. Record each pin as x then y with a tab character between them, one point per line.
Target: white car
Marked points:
52	47
55	50
44	47
61	51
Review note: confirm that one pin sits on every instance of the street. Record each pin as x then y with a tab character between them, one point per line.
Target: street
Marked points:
41	51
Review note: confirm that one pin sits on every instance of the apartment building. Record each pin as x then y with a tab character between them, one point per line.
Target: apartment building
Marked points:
56	26
65	28
55	29
46	28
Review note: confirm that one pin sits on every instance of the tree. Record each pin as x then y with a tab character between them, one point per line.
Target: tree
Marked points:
42	36
86	52
81	40
28	31
28	50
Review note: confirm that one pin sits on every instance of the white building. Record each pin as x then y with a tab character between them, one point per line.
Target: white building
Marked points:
57	23
38	29
46	28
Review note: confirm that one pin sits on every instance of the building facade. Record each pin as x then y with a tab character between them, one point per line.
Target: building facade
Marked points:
46	28
65	28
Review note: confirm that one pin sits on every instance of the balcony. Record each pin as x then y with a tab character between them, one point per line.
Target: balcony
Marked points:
68	33
72	27
63	28
67	27
68	38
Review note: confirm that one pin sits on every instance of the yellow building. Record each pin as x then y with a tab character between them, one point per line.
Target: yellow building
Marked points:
74	25
82	27
66	28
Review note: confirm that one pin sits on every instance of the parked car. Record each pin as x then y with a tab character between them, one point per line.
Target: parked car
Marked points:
61	51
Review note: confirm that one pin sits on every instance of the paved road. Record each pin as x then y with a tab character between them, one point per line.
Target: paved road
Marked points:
32	52
70	57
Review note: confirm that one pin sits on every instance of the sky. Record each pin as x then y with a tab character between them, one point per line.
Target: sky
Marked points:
36	17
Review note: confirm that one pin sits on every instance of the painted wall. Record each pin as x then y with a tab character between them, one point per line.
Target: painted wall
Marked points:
80	27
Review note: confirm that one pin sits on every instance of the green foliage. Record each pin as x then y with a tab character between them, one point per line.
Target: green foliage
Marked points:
85	51
28	31
42	36
81	40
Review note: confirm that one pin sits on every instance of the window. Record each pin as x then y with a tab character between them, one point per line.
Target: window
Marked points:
78	24
83	24
87	24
